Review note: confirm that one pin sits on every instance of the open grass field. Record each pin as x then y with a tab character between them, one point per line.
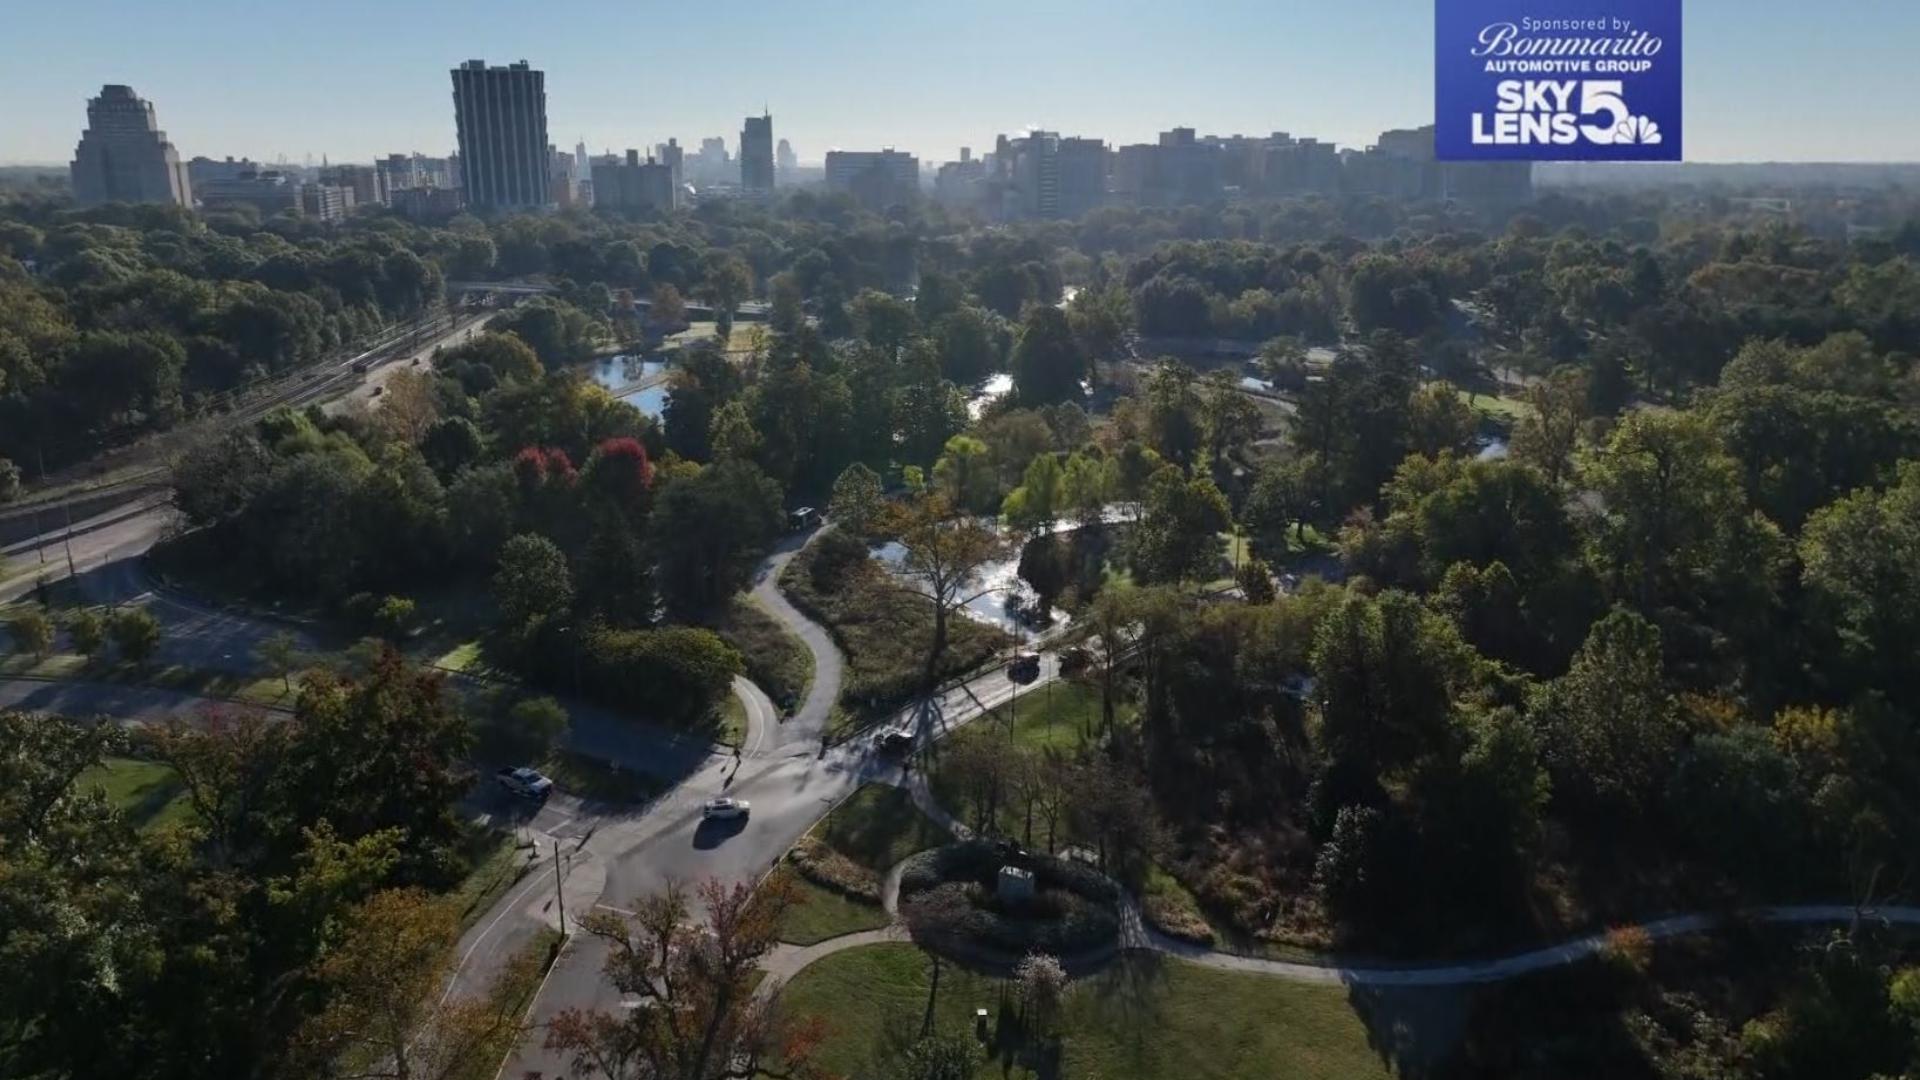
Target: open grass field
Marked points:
1144	1018
1503	410
149	793
825	913
878	827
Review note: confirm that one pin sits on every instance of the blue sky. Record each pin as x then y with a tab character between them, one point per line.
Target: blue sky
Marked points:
1782	80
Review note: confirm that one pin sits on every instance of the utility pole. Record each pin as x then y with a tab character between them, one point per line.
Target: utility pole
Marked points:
558	895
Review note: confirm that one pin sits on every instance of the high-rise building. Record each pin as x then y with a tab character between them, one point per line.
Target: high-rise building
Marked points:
877	179
580	166
123	156
563	178
674	157
1177	170
785	160
756	154
501	117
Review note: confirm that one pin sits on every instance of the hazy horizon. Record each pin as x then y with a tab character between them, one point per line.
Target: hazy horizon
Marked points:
361	80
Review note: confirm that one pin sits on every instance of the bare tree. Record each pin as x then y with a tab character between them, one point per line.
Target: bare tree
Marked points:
697	1015
943	554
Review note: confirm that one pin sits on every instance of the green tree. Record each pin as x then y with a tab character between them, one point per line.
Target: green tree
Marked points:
1610	731
1548	433
1863	582
532	583
1178	535
135	633
1036	503
280	652
1047	362
710	531
32	632
88	632
857	500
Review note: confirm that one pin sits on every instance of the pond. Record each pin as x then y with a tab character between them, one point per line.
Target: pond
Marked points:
1003	607
995	388
635	380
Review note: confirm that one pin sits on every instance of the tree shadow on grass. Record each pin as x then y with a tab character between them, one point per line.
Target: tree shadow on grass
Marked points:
1413	1029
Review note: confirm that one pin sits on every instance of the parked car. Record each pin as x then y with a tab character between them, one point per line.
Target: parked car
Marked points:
524	782
725	809
897	740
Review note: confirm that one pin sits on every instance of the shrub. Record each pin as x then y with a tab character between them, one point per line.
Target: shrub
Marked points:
829	869
32	632
1627	950
136	633
1173	917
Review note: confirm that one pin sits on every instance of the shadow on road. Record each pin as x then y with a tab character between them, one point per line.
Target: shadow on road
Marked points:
712	832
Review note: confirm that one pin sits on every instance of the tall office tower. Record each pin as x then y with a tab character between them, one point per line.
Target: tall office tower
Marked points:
501	117
756	154
123	156
674	157
580	166
786	159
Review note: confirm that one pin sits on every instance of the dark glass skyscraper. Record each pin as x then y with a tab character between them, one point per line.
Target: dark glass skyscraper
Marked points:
756	154
501	116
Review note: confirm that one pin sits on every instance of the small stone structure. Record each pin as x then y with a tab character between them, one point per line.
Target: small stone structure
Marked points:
1015	885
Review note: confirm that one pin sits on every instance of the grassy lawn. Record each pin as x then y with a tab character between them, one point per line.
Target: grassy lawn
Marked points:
885	633
878	827
824	913
148	792
777	662
591	778
1145	1018
1504	410
247	689
733	720
461	657
494	864
1055	715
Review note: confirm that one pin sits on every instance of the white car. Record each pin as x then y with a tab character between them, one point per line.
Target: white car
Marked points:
725	809
524	782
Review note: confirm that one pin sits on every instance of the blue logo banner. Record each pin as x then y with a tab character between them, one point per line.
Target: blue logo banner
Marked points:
1557	80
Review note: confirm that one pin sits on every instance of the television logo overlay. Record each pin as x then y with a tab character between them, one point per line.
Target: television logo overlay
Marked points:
1557	80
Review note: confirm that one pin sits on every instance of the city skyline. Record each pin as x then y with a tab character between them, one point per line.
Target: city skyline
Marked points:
920	85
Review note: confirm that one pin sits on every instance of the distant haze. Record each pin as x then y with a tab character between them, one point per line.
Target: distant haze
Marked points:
1767	80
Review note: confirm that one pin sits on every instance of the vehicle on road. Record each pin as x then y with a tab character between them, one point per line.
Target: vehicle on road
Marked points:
524	782
806	517
1024	668
898	740
725	809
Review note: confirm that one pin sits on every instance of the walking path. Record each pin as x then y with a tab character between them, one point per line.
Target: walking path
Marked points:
1135	935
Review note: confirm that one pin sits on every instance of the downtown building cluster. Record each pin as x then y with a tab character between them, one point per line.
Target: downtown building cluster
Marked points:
505	162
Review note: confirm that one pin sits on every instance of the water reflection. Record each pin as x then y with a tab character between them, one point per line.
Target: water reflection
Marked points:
635	380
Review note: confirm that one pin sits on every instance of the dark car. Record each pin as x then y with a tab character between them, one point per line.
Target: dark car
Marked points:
1024	668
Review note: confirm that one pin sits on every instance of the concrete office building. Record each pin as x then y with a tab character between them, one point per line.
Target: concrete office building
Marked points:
876	179
1178	170
674	157
756	155
632	184
123	156
367	182
326	202
205	170
785	162
563	178
268	191
500	114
